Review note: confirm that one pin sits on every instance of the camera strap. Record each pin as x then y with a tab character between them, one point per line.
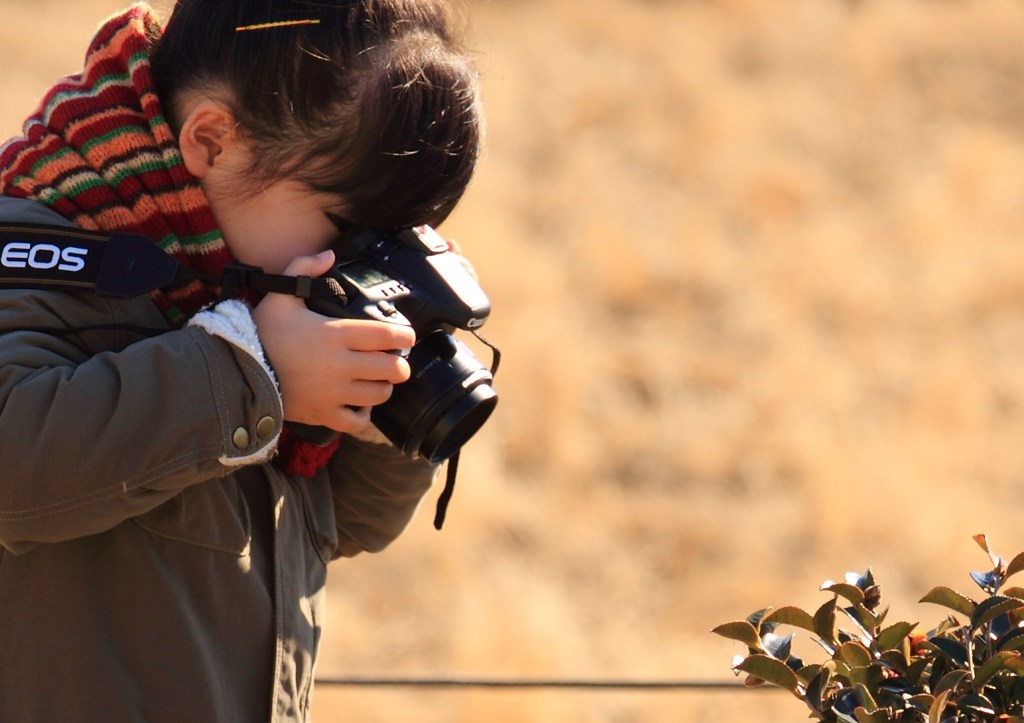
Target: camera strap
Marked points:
441	511
118	265
123	265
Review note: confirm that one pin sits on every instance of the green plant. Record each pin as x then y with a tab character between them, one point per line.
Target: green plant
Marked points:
968	669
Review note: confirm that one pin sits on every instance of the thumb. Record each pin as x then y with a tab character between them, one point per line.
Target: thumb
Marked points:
311	265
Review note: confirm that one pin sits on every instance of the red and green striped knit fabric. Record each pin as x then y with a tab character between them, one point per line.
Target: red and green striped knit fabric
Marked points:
100	153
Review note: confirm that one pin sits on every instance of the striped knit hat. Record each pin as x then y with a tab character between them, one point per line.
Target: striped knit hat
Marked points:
100	153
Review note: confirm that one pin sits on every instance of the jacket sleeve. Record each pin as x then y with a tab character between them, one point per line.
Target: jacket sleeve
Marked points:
91	439
376	491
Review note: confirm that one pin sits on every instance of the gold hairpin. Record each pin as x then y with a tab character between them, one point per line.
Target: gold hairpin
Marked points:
281	24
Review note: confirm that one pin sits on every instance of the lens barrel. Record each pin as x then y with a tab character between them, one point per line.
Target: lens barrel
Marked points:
445	402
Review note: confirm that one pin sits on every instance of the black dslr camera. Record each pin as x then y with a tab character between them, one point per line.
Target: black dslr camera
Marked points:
411	277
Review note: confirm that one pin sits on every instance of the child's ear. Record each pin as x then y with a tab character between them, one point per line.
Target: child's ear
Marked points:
207	132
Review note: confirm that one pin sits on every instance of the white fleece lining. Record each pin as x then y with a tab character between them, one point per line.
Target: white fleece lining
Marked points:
260	456
232	321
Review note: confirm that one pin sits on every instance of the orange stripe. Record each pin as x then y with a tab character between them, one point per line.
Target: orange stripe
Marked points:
85	124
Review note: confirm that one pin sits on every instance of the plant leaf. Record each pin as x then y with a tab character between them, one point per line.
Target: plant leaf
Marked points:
992	608
770	670
879	616
916	670
872	597
950	681
792	616
739	630
845	703
894	660
756	619
993	665
808	673
872	677
827	647
864	697
777	647
825	623
751	682
950	598
855	655
1017	666
1015	566
921	701
817	688
1002	624
976	703
939	705
1017	592
955	651
893	636
982	541
1013	640
864	618
861	632
879	715
990	581
851	592
862	581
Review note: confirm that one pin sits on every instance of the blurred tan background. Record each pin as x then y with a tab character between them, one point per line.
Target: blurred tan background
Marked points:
758	274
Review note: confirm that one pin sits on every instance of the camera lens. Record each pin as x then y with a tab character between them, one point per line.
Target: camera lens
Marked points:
444	403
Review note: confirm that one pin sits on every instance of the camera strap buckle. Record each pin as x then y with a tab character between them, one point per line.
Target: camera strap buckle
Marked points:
239	276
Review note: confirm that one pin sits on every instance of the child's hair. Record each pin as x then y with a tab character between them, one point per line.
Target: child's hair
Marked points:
372	100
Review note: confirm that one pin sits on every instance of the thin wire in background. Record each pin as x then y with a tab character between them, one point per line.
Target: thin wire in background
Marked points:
537	684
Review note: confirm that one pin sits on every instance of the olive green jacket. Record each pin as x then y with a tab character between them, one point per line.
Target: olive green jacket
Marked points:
150	568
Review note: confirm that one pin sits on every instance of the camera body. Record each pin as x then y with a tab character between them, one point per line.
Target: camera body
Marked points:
411	277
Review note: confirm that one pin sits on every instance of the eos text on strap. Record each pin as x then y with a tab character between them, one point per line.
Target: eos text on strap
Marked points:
119	265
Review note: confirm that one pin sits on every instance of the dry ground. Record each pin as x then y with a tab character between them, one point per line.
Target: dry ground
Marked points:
758	274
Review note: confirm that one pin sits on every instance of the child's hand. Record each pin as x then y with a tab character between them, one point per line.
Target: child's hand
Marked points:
331	371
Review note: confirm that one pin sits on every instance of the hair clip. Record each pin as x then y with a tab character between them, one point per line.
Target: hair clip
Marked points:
281	24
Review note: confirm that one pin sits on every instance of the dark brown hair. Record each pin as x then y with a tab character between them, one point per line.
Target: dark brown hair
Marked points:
372	100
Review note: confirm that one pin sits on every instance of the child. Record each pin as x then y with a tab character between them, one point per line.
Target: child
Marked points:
163	537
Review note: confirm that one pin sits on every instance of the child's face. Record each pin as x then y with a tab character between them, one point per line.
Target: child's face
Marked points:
264	224
279	222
